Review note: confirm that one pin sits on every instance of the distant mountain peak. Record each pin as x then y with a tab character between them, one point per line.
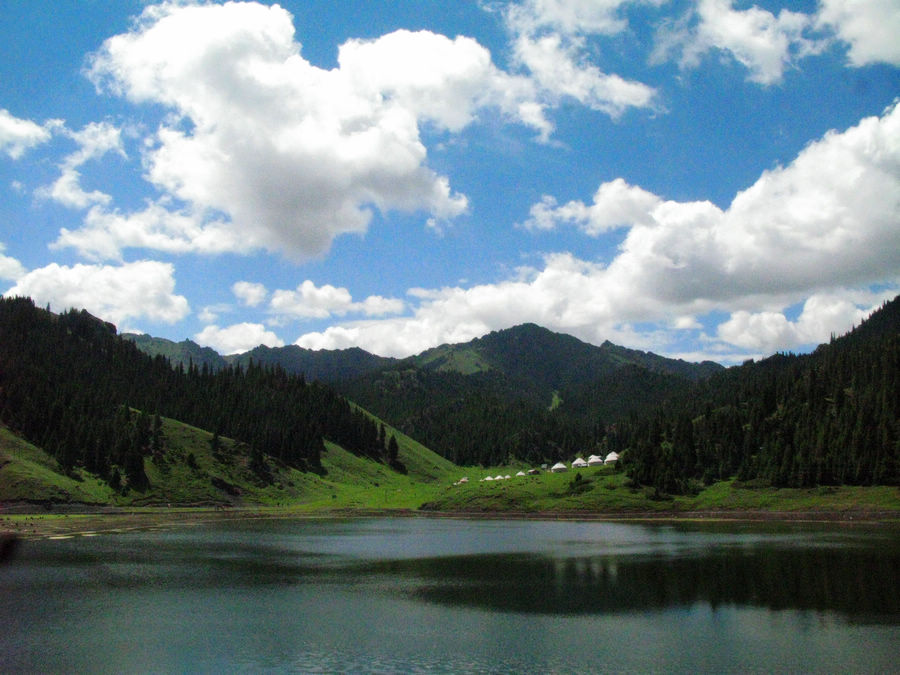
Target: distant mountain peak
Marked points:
538	357
183	353
526	353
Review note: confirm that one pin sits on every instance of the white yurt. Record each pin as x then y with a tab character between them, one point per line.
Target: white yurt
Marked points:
559	467
595	460
612	458
521	473
579	463
488	478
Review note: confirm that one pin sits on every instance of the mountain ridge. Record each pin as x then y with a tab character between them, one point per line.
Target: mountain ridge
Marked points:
523	391
540	348
482	354
86	398
179	353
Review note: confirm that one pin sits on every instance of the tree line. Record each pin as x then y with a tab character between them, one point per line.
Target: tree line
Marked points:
472	419
70	385
831	417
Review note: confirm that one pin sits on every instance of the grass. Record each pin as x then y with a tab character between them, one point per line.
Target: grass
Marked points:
465	361
727	495
603	490
591	490
27	473
192	475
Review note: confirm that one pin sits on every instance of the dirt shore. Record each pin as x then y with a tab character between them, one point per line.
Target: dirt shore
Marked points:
42	523
29	522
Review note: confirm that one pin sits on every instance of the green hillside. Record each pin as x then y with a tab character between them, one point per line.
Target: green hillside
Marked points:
93	401
192	473
182	353
28	474
608	492
537	358
194	476
524	393
86	418
325	365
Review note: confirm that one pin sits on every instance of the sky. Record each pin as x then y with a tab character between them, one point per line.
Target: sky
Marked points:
709	179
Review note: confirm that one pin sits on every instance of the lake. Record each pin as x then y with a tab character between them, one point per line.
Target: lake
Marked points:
452	595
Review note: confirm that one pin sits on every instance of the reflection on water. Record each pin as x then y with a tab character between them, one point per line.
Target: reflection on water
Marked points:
859	586
455	596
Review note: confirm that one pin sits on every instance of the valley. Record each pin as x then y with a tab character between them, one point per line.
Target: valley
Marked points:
511	401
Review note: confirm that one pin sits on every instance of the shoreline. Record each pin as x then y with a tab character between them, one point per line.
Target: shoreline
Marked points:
30	522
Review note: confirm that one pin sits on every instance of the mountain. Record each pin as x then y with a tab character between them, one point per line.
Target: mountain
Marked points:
527	393
831	417
88	416
526	354
537	357
92	400
523	392
178	353
325	365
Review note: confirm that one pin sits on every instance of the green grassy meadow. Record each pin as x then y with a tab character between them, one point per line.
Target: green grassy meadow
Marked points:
604	490
192	475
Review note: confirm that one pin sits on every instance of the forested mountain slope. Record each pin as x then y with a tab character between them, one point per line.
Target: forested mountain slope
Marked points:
539	358
523	392
71	386
94	402
182	353
827	418
325	365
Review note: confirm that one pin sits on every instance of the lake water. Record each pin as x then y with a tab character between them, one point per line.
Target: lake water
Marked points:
433	595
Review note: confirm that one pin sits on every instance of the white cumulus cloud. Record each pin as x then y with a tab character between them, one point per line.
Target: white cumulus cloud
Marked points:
158	226
829	219
823	315
616	204
555	65
813	231
764	43
869	27
94	141
237	338
768	44
10	268
265	150
249	293
567	16
432	77
18	135
138	290
549	40
309	301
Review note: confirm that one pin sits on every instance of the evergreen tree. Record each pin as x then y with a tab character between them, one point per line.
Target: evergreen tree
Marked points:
393	450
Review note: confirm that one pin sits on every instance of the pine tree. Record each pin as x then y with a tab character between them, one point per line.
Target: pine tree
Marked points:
393	449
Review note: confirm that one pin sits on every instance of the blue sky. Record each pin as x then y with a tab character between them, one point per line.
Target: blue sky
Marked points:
712	179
